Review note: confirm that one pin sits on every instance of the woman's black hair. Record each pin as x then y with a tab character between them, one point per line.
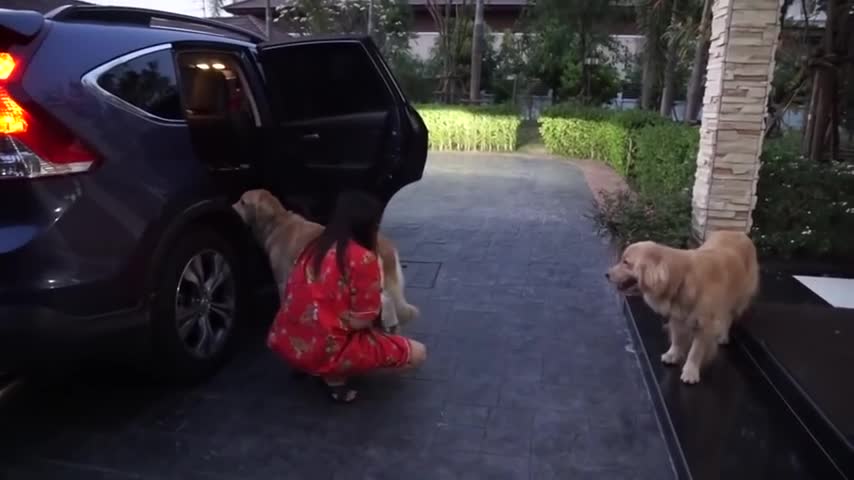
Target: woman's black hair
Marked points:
356	217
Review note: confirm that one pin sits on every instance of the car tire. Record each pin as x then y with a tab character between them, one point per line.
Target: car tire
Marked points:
196	307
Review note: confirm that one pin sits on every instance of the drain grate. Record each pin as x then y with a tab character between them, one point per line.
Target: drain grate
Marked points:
420	274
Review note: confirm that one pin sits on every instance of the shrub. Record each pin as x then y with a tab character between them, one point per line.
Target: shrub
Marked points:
664	158
804	209
580	138
594	133
637	119
584	132
483	128
630	218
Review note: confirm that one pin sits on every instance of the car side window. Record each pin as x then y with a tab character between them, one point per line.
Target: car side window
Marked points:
327	80
147	82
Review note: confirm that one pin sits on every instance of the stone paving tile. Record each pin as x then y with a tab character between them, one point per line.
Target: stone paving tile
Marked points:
530	375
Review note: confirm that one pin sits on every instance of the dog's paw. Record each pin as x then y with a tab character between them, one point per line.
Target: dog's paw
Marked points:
723	339
408	313
670	357
690	374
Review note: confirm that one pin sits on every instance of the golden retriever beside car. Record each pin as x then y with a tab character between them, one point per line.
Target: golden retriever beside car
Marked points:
285	234
700	292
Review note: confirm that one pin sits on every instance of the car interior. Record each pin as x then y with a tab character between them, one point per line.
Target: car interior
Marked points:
218	106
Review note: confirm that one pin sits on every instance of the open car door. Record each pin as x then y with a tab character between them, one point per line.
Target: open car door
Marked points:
338	122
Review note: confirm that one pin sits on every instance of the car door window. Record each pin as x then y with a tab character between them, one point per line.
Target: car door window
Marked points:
214	87
147	82
219	106
326	80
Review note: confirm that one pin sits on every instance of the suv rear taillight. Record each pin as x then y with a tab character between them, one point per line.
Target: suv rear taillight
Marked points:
34	147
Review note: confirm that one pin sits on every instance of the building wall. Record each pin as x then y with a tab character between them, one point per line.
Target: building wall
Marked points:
423	42
505	19
498	20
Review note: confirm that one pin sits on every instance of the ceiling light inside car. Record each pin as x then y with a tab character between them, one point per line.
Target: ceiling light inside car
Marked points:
203	66
218	66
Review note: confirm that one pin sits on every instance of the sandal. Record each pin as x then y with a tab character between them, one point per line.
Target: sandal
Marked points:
340	393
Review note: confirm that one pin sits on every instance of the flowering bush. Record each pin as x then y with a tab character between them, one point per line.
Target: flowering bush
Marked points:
804	208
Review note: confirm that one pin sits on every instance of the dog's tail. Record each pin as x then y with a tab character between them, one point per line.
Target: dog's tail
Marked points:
395	286
752	288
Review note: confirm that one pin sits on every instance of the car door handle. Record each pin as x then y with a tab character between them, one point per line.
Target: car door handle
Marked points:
311	137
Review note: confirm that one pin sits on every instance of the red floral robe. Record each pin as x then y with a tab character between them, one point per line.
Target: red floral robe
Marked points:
325	325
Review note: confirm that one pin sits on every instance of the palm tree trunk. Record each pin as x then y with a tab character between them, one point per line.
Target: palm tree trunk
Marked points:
669	88
649	23
648	80
694	97
822	120
476	52
585	66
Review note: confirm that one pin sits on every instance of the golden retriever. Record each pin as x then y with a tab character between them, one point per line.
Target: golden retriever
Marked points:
285	234
699	292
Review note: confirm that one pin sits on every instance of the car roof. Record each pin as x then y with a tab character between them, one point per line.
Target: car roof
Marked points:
159	25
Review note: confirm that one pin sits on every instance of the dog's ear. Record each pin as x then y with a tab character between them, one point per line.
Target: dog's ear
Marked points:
654	274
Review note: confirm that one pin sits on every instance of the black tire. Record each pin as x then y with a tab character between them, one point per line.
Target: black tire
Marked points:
174	358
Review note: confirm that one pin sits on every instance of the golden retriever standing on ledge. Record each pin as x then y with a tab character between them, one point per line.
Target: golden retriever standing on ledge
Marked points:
285	234
700	292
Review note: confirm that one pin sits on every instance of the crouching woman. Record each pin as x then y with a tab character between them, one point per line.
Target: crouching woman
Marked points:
327	325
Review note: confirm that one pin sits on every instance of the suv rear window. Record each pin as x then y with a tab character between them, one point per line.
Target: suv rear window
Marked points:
327	80
147	82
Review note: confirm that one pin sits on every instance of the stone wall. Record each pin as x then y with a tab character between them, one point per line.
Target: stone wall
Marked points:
740	69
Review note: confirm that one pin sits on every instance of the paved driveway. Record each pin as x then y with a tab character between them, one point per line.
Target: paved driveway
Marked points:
531	374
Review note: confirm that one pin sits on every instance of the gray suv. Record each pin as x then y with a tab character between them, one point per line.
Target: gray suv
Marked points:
125	136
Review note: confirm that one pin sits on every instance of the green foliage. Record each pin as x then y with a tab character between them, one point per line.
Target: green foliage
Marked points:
392	20
413	76
560	37
604	82
460	57
484	128
664	158
511	69
804	208
636	119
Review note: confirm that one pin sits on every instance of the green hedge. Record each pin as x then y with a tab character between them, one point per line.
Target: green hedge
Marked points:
580	138
594	133
664	158
484	128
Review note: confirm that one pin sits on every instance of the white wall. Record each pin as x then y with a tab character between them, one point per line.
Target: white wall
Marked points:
796	13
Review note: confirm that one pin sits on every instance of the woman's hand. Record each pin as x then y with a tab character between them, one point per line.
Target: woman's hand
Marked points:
357	322
365	291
